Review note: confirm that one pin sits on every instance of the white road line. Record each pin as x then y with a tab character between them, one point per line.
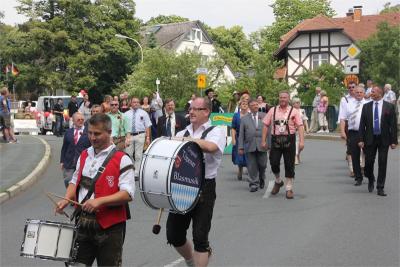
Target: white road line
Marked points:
174	263
269	189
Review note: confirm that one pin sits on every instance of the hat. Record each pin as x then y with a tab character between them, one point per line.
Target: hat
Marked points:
235	93
209	90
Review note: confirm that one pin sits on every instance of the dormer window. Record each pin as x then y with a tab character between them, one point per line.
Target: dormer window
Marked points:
196	33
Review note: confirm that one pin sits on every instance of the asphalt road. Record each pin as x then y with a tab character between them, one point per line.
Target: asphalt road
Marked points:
329	223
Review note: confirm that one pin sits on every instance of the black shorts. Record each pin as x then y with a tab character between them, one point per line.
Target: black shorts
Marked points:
104	245
288	154
201	216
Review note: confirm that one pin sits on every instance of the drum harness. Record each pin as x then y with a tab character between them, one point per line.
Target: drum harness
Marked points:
88	220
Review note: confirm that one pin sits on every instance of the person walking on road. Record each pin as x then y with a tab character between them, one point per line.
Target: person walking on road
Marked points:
75	141
5	116
378	131
250	140
120	132
139	125
212	141
237	159
104	184
170	123
284	120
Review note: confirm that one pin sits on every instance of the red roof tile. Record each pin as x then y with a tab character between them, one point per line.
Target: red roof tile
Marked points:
354	30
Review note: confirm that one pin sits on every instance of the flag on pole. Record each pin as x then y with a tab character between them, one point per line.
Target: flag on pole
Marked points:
14	70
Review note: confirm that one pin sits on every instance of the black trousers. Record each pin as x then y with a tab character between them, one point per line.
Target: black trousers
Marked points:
355	152
104	245
370	155
288	154
201	215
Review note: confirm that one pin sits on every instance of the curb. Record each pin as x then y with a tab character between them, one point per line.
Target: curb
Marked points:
31	178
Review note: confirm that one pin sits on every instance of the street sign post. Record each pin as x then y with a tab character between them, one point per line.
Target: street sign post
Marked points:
352	66
352	51
201	81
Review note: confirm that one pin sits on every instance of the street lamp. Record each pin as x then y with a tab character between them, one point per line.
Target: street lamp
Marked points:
126	37
157	83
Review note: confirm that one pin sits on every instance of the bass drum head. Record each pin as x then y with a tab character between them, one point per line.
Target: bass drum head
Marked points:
187	177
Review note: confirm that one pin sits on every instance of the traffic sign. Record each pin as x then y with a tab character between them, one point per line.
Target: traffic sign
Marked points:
201	81
201	71
352	66
352	51
350	78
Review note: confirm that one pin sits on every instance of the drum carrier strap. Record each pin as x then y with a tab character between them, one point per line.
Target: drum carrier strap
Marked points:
203	135
287	125
100	171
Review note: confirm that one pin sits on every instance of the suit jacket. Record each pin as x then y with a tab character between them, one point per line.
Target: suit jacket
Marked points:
71	152
180	124
249	135
388	124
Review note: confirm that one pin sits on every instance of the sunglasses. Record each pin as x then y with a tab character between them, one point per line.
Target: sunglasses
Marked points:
114	104
196	109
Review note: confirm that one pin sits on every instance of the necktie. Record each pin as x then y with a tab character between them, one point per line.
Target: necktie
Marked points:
76	136
255	119
353	116
134	122
377	130
169	133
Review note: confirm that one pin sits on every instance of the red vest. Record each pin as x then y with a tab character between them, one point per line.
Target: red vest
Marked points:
106	185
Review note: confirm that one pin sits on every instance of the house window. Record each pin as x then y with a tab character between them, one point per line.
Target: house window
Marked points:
319	59
196	34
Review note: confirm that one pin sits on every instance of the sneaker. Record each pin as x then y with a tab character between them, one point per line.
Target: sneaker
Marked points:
321	131
326	131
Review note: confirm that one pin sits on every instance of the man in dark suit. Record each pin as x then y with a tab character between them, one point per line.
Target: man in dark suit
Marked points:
378	131
170	123
75	141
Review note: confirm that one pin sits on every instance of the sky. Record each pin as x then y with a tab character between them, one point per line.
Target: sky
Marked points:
215	13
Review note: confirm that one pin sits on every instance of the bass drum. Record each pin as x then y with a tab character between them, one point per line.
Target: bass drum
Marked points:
171	175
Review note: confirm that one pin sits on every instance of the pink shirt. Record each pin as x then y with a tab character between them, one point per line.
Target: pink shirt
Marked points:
294	122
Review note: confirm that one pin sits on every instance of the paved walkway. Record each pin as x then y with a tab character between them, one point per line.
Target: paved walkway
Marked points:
18	160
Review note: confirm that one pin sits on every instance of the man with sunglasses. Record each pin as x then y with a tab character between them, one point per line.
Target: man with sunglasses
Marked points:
212	141
345	101
75	141
119	126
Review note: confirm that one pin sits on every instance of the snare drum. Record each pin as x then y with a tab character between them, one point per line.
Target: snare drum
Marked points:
49	241
171	175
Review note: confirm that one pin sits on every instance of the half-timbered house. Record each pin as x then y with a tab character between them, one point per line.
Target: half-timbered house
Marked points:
325	40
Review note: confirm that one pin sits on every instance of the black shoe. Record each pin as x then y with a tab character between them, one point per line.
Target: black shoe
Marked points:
262	183
381	193
253	189
370	187
239	177
358	183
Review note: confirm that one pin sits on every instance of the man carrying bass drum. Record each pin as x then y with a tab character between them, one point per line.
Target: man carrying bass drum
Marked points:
212	142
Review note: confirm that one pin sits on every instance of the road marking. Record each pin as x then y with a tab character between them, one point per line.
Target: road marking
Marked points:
269	189
174	263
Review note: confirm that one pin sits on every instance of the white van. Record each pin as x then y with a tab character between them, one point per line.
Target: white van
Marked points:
45	119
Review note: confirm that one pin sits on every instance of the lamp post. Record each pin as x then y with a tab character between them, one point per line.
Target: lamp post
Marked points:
126	37
157	83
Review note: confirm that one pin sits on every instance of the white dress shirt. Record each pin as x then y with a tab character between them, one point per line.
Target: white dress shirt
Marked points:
343	106
93	163
173	123
142	119
354	124
390	96
216	136
380	105
80	132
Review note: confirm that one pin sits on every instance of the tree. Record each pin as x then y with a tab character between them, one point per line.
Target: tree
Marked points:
162	19
380	58
387	8
328	77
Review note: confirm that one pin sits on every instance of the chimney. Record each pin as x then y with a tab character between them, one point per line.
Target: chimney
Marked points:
357	13
350	13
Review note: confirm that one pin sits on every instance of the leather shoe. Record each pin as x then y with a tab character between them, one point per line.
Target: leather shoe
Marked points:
262	183
370	187
358	183
289	194
253	189
382	193
276	188
239	177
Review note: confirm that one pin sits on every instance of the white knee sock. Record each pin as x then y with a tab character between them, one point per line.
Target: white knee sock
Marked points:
289	184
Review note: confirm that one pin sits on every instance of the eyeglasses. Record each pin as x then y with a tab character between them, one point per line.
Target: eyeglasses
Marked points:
197	109
80	119
114	104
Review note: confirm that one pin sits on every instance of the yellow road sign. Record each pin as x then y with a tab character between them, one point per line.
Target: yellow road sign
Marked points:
201	81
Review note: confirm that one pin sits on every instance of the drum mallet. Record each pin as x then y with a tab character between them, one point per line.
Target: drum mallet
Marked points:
157	226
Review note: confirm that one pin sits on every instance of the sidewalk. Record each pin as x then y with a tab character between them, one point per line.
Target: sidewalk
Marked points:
21	164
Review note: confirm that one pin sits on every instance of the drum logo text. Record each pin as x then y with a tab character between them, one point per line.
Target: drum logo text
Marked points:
188	160
184	179
30	234
110	180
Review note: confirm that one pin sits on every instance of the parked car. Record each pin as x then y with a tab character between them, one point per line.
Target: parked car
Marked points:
45	119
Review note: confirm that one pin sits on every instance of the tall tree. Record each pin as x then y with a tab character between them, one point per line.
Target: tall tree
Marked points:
162	19
387	8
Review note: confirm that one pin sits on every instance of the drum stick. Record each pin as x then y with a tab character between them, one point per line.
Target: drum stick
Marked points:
69	200
157	226
55	203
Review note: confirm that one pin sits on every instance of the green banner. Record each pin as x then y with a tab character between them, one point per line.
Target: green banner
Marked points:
224	120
